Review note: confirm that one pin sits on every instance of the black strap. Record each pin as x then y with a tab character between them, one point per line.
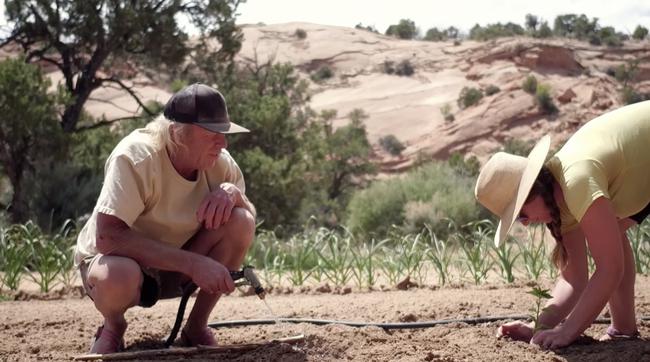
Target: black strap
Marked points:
187	292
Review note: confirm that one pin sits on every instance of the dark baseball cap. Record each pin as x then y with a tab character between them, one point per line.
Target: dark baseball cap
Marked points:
203	106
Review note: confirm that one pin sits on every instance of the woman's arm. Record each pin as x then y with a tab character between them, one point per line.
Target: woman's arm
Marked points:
571	282
600	227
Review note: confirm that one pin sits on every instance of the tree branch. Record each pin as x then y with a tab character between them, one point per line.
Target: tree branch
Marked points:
104	123
128	90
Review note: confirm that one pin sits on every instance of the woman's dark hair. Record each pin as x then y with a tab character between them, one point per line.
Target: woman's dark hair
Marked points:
543	187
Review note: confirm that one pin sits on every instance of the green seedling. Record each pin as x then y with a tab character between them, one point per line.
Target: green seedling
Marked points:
440	255
364	262
14	255
505	258
336	259
534	253
540	296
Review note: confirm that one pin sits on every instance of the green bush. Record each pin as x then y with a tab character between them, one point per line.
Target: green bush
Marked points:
300	33
430	194
177	85
640	32
518	147
469	166
369	28
446	112
391	145
405	68
492	89
406	29
323	73
630	95
530	84
468	97
544	99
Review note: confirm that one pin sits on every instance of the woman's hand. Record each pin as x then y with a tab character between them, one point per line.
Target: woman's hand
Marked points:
518	330
216	207
211	276
555	338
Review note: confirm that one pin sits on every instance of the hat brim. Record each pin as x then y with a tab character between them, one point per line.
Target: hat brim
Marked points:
536	160
222	127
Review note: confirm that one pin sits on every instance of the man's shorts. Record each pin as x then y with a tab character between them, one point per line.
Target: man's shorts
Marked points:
156	284
641	215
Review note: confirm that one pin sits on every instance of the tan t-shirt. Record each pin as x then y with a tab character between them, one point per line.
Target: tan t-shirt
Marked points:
142	188
610	157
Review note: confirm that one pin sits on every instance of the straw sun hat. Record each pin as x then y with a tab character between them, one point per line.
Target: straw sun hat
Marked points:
505	181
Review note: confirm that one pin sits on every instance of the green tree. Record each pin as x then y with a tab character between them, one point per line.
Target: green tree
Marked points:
531	22
405	29
29	129
342	164
544	31
434	34
640	32
89	41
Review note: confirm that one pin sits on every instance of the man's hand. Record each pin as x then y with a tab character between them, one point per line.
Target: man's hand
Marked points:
518	330
555	338
211	276
216	207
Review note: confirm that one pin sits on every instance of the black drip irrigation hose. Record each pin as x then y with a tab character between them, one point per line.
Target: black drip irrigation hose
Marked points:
386	326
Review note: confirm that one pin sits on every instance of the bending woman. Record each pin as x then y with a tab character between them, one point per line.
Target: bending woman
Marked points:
588	194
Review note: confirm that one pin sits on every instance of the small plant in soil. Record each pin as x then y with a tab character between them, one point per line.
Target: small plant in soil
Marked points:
540	296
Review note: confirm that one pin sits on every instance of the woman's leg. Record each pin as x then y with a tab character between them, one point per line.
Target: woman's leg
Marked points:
621	303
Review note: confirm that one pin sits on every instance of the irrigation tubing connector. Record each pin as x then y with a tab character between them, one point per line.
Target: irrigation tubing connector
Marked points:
386	326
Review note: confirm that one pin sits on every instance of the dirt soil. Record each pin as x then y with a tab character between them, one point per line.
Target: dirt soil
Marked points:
61	329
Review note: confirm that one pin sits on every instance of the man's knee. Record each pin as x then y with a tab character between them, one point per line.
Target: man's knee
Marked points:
242	220
241	228
115	277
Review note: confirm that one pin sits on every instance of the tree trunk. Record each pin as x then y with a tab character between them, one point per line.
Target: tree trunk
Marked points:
17	208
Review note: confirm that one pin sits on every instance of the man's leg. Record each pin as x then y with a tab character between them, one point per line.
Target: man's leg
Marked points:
228	245
114	284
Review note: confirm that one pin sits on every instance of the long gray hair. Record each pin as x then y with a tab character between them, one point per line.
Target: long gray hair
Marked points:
161	131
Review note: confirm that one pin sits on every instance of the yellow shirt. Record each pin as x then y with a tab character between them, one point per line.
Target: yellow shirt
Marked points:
609	156
142	188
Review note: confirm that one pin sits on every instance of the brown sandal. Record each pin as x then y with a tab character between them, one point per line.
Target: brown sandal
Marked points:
116	342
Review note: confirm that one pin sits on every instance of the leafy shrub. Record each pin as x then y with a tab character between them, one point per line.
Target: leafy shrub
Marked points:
492	89
446	112
369	28
640	32
544	99
469	167
544	31
468	97
405	68
630	95
530	84
177	85
517	146
300	33
493	31
391	145
404	30
322	74
429	194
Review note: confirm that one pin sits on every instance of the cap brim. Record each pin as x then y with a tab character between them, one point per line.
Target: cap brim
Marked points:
225	128
536	160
